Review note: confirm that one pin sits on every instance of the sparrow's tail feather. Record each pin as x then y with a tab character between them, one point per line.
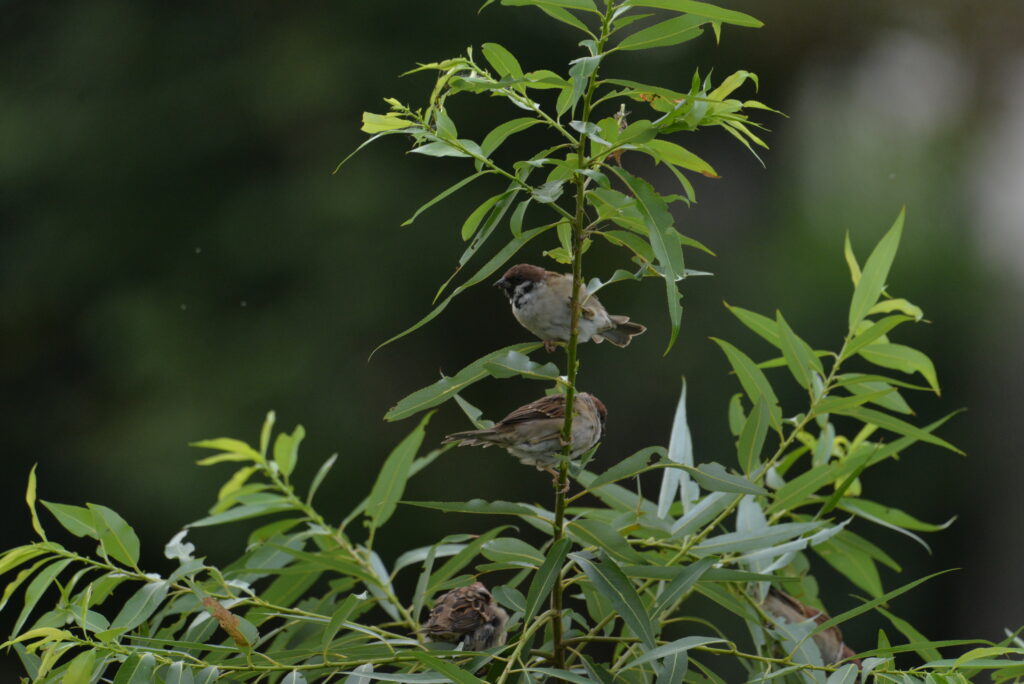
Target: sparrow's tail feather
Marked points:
470	438
623	332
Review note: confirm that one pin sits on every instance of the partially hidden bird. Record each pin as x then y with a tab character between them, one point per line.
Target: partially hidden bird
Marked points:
541	303
467	616
829	642
532	433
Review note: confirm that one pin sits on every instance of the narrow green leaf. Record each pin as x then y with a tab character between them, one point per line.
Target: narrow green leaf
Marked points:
684	580
136	670
676	481
80	669
872	333
243	512
454	673
868	605
503	61
390	484
799	358
894	516
590	532
379	123
516	363
680	645
839	403
472	222
499	134
762	325
896	425
903	358
851	563
447	387
749	540
450	190
286	450
294	677
545	578
898	304
514	551
338	618
35	591
460	560
117	538
715	478
851	260
752	438
674	668
558	675
664	242
627	467
876	270
753	380
609	579
75	519
141	605
669	32
486	271
231	446
671	153
30	500
701	9
568	4
318	479
177	673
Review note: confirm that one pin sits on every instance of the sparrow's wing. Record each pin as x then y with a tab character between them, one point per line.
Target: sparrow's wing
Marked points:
549	407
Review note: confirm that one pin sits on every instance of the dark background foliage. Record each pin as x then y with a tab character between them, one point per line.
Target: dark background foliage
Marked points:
177	257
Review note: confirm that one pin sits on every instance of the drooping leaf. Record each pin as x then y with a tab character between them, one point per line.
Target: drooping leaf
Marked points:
390	483
902	358
609	579
702	9
753	380
669	32
486	271
447	387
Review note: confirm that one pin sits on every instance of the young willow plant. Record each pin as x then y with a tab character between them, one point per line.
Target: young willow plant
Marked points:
611	594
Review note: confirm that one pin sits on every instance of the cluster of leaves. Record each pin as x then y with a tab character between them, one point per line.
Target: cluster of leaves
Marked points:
606	596
307	603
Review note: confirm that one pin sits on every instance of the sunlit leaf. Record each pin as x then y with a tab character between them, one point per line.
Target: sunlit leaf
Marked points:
669	32
876	270
903	358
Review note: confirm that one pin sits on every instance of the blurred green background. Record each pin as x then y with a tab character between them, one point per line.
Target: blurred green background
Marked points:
177	258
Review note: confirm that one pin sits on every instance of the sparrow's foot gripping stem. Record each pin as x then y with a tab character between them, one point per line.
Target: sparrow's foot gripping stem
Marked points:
554	479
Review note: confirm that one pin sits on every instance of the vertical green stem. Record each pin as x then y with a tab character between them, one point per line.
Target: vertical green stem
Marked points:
579	222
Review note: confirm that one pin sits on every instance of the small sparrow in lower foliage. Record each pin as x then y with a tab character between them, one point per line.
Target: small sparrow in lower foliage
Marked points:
541	303
532	433
469	616
829	642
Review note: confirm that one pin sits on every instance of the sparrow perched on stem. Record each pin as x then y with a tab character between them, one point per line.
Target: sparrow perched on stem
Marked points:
540	302
469	616
829	642
532	433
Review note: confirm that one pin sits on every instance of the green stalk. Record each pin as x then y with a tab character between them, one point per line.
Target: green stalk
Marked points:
579	226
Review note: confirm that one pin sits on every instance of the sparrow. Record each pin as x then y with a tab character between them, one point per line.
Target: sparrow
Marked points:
540	302
532	433
829	642
468	616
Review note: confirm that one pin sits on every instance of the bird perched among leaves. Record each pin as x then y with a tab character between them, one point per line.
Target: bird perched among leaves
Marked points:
541	303
829	642
532	433
469	616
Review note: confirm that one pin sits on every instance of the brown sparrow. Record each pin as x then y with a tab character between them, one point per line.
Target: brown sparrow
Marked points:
829	642
540	302
532	433
469	616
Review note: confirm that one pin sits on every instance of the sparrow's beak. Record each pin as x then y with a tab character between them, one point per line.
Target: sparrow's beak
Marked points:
502	283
